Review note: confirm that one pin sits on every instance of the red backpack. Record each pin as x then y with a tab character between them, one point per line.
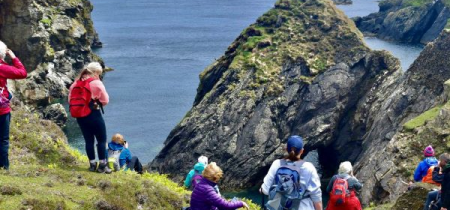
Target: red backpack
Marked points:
339	191
80	97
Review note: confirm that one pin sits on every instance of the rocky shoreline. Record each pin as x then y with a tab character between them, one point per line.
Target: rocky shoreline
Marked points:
406	21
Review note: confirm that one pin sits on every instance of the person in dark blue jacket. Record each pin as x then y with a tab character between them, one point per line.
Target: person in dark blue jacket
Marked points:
126	159
438	177
425	164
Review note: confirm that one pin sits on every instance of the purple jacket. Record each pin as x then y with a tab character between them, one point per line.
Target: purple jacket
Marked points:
204	197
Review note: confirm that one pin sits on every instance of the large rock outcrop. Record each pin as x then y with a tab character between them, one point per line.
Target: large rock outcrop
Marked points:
53	38
407	21
391	152
301	69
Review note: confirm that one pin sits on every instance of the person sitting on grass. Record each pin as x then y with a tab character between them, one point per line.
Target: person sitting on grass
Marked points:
120	156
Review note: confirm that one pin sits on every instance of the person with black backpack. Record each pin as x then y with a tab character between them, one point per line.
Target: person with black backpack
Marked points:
433	201
87	96
342	189
291	183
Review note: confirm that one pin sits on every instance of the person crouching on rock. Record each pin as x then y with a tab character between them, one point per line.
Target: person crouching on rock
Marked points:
342	189
87	96
119	156
194	176
293	178
205	197
429	161
14	71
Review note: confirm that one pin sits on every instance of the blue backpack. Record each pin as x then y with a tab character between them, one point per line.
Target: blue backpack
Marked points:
286	192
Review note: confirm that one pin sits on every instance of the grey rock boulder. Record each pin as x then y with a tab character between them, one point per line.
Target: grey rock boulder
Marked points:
56	113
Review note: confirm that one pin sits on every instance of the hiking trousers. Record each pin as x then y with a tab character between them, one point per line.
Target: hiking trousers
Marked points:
432	196
135	165
4	140
93	127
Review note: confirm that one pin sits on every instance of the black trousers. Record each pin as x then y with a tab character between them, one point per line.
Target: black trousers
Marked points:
4	140
135	165
93	127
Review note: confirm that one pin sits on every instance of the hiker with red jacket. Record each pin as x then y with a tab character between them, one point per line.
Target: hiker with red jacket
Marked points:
342	189
86	97
14	71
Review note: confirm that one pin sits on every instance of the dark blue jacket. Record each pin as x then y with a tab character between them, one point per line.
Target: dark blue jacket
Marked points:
423	167
125	155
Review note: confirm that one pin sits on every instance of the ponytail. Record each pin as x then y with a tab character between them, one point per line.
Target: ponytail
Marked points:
83	73
293	156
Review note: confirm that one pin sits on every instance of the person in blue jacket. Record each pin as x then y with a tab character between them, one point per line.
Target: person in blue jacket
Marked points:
126	159
198	170
425	164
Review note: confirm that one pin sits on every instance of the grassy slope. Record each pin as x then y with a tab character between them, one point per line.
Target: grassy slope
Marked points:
47	174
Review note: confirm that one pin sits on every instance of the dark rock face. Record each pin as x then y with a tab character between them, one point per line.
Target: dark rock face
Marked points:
56	113
352	109
242	117
381	163
53	38
398	20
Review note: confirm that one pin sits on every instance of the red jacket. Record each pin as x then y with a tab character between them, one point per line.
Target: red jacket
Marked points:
16	71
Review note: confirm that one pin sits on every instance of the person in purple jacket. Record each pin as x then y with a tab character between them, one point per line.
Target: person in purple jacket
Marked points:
205	197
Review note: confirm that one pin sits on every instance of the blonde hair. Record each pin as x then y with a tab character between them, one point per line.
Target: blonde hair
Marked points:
345	168
213	172
118	139
3	49
93	68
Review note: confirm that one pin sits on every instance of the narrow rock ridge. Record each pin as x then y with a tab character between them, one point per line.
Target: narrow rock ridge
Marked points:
301	69
53	38
407	21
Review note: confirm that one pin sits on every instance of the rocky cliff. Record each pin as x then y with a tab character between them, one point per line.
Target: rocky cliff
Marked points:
407	20
53	38
301	69
398	135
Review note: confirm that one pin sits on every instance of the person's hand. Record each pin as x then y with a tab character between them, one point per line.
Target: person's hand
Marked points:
10	53
246	206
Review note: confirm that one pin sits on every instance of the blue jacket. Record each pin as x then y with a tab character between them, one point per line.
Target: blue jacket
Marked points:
199	167
125	155
423	167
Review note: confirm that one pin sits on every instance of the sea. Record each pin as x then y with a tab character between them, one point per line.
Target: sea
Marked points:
158	48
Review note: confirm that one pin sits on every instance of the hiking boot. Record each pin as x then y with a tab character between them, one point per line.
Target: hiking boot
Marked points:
93	166
103	168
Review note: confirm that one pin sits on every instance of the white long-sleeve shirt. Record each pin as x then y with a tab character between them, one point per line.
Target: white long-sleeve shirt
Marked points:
309	180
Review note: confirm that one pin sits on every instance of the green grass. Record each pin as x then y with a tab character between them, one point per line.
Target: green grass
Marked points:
46	173
422	119
46	21
447	27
